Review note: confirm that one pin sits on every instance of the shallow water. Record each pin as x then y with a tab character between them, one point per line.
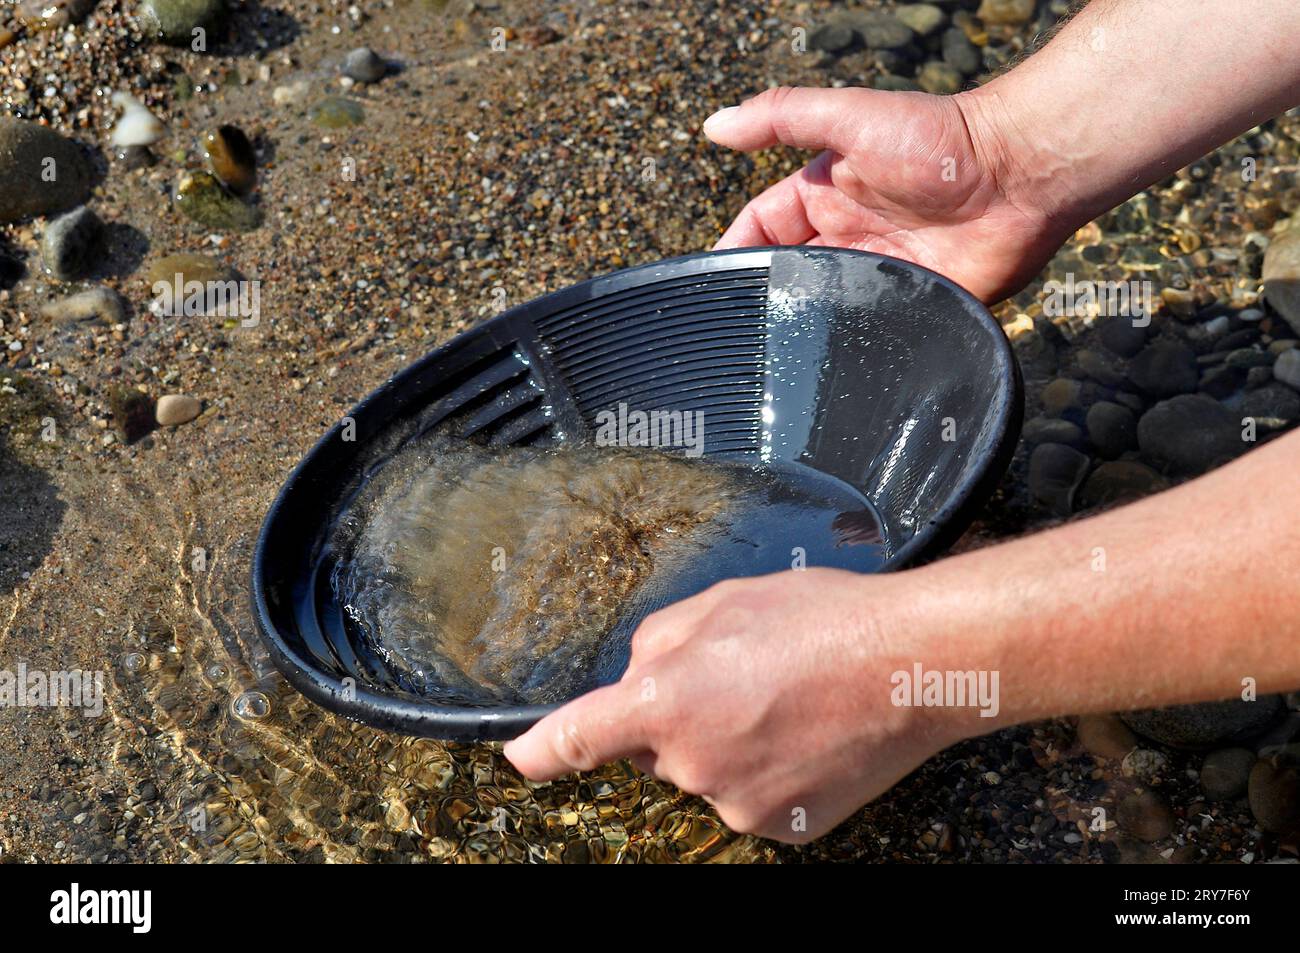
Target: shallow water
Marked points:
516	575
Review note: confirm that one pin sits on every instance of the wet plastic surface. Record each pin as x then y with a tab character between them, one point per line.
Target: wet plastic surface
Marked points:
864	373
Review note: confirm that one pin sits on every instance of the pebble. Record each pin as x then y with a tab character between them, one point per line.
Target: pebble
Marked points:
1190	434
1009	12
1216	327
1145	815
201	197
1272	402
1119	481
1099	367
1122	337
135	157
231	158
190	267
960	53
291	93
1222	381
337	112
880	30
174	21
1281	275
52	14
832	38
366	66
1206	724
1052	430
940	78
132	412
176	409
1144	764
1061	395
1112	429
101	303
1287	368
70	243
1226	772
1105	736
1165	368
1274	794
1055	473
28	149
137	125
895	84
925	19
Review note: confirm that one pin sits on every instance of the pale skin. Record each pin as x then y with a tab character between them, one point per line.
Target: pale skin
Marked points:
771	696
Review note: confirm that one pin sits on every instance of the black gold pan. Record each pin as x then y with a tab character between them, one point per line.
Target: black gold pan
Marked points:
867	372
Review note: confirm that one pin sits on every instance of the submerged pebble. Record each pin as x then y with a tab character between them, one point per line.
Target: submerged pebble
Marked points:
1274	792
52	14
190	267
231	158
1281	275
70	243
1006	12
202	198
364	65
41	172
1145	815
95	303
1226	772
135	157
337	112
174	21
137	125
1190	434
132	412
176	409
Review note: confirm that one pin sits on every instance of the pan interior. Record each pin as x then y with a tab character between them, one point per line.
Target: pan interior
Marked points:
500	576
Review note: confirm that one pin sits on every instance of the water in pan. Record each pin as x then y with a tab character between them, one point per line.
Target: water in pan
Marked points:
497	576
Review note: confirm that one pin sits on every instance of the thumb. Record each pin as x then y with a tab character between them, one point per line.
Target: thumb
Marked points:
805	118
594	729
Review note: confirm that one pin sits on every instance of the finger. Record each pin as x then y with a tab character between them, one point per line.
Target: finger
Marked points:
595	729
802	117
779	216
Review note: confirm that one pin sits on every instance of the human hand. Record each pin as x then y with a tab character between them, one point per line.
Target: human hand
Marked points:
769	696
924	178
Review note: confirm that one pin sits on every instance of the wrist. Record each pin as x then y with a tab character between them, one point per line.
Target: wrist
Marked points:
931	659
1010	146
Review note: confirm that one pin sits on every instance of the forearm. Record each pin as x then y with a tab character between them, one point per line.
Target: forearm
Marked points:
1130	91
1174	599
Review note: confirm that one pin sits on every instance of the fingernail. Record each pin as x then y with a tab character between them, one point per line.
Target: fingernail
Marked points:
719	119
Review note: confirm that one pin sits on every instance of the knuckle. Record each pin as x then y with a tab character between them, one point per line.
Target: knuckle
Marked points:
572	747
643	638
741	818
693	777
